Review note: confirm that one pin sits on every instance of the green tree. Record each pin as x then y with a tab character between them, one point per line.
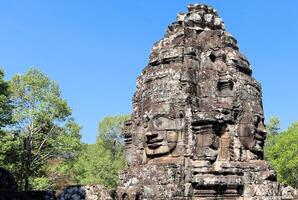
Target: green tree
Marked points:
273	127
100	163
5	105
8	141
59	169
42	122
282	153
109	133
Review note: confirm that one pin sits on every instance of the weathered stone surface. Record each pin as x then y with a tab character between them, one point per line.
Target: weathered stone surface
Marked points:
87	192
197	129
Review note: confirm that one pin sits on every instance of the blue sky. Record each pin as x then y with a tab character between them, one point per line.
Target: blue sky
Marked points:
95	50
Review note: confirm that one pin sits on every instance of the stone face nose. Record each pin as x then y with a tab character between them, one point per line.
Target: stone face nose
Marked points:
150	135
262	129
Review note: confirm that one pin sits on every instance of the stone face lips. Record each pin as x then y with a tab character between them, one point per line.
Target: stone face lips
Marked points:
197	129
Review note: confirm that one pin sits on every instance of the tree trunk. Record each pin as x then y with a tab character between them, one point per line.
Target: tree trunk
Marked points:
27	161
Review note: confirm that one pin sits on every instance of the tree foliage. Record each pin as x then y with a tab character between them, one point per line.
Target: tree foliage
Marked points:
42	123
281	150
110	128
8	141
5	105
100	163
273	127
60	169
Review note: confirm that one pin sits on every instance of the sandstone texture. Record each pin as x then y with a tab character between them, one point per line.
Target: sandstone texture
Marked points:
87	192
197	129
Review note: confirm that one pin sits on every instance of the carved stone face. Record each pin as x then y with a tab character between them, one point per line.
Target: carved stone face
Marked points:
161	129
251	129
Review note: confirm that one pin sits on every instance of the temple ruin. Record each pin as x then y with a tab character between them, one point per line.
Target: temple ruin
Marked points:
197	129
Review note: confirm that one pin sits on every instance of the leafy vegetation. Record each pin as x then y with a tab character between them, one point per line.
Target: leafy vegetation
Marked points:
5	105
40	141
100	163
7	138
281	150
42	127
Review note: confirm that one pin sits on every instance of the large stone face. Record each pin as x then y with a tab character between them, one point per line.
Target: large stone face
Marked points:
197	129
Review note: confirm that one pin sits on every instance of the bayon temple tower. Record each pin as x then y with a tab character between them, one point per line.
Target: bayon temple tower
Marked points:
197	129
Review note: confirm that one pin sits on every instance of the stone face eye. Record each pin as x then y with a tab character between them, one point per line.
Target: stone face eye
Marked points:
181	114
158	122
256	120
145	118
163	123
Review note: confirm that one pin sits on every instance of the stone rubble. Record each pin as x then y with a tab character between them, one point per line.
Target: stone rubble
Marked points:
87	192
